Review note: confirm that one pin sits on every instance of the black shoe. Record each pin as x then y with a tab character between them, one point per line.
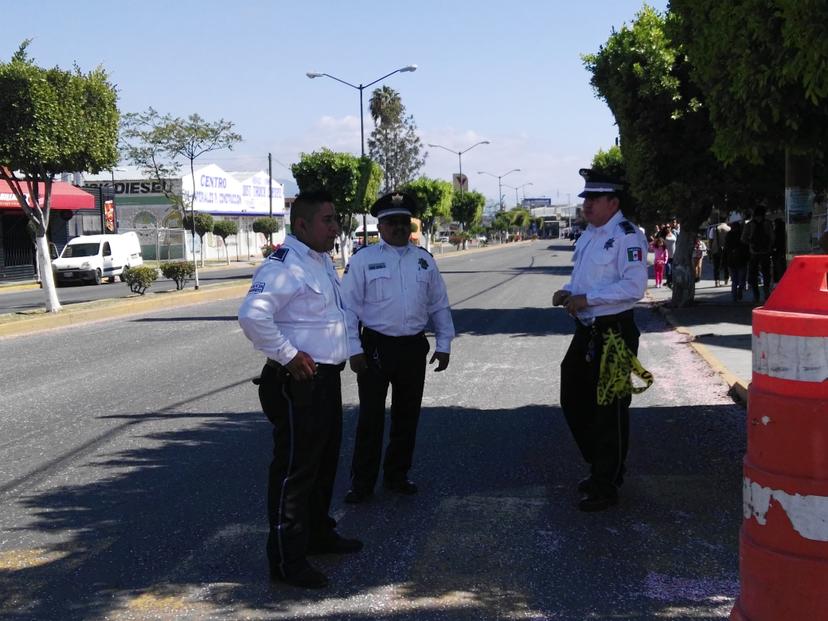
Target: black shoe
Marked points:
584	485
302	575
587	484
404	487
335	545
356	496
597	502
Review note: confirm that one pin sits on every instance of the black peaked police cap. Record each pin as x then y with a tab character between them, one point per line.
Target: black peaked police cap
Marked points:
599	183
394	203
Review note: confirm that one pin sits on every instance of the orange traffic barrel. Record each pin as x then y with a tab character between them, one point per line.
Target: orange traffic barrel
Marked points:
783	543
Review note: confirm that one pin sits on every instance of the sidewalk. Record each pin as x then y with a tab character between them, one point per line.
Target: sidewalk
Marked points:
720	329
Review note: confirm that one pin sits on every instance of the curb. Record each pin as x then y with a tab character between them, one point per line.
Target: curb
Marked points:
738	388
123	307
100	310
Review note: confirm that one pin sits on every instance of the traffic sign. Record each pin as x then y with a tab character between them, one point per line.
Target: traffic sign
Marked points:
460	182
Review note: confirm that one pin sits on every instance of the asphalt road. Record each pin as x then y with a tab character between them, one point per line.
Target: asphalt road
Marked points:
31	299
133	461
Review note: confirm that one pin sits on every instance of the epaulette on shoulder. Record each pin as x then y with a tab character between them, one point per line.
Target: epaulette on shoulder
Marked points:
357	249
279	254
426	251
628	227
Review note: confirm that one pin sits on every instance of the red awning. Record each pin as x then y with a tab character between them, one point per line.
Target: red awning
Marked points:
64	196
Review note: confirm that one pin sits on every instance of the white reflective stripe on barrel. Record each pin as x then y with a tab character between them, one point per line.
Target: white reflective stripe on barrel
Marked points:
801	358
808	514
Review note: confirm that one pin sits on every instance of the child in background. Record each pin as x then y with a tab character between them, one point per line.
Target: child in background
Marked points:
659	250
699	252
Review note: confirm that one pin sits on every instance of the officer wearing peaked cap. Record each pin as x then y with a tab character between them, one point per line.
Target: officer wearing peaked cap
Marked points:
608	277
392	289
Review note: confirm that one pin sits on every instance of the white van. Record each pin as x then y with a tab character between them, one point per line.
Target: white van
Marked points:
95	257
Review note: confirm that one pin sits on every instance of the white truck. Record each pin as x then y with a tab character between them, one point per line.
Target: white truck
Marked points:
95	257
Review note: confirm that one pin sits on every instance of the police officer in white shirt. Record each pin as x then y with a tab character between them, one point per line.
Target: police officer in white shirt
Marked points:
392	288
609	276
293	314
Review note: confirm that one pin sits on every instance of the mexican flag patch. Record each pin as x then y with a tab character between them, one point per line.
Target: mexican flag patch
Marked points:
634	254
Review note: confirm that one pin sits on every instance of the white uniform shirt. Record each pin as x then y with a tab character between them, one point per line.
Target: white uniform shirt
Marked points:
395	293
610	267
295	305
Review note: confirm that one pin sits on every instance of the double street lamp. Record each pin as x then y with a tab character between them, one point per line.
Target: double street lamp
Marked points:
459	156
516	188
360	88
499	185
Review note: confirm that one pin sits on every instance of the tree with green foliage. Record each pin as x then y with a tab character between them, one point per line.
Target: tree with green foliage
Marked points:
225	229
665	133
352	181
53	121
394	143
467	209
501	223
434	197
203	224
267	227
761	65
158	143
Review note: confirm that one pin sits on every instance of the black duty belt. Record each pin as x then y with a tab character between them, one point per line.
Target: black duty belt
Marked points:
379	335
610	320
321	367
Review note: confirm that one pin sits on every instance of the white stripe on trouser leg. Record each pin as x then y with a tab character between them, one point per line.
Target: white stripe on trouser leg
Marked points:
284	484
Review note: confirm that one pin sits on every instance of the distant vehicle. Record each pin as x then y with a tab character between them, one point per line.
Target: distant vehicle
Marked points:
482	239
95	257
443	239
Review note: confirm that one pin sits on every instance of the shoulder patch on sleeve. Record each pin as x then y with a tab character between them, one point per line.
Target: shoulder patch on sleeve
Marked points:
257	287
279	254
627	227
345	271
634	254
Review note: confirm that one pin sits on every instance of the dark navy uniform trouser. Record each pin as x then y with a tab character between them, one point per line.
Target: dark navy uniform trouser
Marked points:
401	363
307	431
600	431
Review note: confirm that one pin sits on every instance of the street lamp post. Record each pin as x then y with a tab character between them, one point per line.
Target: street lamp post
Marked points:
360	88
499	184
516	188
459	156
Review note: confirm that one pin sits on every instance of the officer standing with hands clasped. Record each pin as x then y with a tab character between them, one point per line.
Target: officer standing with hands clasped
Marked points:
609	276
392	288
293	313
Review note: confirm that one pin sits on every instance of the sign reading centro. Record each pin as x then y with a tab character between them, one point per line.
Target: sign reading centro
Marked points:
218	192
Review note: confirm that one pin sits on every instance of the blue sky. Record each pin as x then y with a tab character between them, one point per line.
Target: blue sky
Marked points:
510	73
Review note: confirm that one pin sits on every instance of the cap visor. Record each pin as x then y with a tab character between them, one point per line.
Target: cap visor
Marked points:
393	212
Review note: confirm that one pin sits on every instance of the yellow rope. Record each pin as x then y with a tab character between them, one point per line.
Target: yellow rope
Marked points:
618	365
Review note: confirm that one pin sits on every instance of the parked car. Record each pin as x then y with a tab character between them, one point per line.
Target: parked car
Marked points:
95	257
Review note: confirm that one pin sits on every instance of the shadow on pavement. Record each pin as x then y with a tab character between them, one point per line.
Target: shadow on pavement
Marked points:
179	525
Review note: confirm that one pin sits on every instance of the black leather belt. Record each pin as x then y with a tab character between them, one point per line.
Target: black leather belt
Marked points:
608	320
321	367
379	335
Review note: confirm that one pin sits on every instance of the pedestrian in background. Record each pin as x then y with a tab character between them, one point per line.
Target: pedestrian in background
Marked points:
294	315
392	289
669	236
609	276
717	236
699	252
758	235
738	255
659	251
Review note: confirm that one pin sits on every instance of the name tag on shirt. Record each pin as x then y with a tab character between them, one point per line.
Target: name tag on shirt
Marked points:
376	266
